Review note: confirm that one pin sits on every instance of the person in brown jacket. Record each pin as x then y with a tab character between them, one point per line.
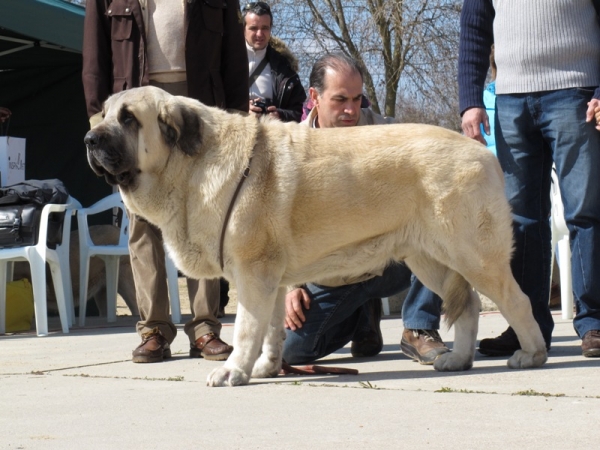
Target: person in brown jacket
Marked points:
187	47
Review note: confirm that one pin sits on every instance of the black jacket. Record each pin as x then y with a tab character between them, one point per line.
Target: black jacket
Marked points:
288	92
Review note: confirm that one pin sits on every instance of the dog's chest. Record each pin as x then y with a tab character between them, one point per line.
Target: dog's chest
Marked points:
193	259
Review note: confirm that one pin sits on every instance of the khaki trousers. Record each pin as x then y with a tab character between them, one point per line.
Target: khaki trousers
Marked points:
150	277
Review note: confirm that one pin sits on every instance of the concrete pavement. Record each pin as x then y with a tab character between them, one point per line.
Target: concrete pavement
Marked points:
81	391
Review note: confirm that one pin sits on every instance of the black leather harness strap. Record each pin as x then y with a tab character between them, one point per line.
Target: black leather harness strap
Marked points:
229	210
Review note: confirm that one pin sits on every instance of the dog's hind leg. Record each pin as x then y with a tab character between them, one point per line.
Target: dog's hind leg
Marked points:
465	337
257	292
516	309
461	305
269	363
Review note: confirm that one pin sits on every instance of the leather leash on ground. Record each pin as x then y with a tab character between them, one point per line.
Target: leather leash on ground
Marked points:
286	369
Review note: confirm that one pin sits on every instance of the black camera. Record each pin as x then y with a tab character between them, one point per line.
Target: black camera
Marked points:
263	104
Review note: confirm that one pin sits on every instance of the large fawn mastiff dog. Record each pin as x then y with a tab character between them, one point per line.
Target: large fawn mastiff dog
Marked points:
269	204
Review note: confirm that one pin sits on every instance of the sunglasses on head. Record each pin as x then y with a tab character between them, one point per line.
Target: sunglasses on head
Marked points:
256	5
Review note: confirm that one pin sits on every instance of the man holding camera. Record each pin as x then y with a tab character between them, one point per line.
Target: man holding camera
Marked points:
274	85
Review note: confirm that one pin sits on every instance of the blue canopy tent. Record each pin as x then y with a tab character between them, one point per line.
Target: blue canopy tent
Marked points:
40	82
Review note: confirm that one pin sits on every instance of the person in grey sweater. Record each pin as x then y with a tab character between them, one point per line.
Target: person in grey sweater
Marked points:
548	59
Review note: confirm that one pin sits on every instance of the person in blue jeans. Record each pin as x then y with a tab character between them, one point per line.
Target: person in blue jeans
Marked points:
547	87
322	318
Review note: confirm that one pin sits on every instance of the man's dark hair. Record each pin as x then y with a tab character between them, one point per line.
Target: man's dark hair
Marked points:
335	61
258	8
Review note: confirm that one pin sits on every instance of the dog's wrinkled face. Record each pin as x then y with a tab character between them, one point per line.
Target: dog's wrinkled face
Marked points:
139	130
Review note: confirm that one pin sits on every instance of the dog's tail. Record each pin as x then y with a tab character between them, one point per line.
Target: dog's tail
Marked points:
457	296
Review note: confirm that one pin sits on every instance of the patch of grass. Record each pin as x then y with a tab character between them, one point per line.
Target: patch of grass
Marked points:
445	390
332	385
177	378
532	393
367	385
289	383
85	375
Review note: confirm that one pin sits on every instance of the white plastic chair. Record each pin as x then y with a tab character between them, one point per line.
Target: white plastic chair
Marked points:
111	255
560	238
385	304
37	256
172	281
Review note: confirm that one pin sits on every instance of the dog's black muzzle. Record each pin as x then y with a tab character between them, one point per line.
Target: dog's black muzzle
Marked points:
106	160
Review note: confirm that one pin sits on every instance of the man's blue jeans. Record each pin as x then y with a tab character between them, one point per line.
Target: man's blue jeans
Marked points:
533	131
337	313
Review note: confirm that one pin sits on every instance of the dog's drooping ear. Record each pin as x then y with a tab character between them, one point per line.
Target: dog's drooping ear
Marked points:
180	126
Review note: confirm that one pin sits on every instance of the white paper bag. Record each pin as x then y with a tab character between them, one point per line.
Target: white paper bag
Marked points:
12	160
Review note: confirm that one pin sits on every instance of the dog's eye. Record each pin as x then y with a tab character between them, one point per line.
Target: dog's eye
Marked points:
127	118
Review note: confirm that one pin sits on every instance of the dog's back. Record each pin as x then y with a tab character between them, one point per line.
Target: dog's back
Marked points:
392	189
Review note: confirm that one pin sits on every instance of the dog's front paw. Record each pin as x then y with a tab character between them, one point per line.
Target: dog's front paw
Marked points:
266	368
227	376
453	362
527	360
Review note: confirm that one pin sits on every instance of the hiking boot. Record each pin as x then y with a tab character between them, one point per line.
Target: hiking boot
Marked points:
423	346
369	343
590	345
154	348
210	347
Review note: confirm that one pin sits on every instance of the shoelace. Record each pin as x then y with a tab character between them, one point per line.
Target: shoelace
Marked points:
150	334
428	335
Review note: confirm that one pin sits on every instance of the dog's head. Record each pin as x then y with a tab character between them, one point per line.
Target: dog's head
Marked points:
139	131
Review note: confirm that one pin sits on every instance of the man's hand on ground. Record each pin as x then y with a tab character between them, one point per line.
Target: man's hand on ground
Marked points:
296	302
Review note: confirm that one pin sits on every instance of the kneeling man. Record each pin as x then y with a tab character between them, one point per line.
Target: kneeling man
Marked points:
322	318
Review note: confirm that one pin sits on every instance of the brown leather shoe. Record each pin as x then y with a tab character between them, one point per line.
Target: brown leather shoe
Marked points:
210	347
423	346
154	348
590	345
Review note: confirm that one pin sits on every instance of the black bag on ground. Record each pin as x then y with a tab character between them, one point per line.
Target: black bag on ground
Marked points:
21	209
